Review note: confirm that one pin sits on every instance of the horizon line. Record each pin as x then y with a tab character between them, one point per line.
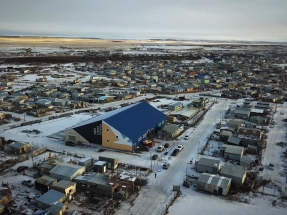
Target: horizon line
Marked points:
155	39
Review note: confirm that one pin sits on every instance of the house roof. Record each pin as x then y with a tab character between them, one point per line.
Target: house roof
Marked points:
17	145
245	159
187	112
215	180
233	170
234	149
175	104
65	169
56	208
132	121
234	140
40	212
45	180
51	197
208	162
230	123
239	110
98	179
64	184
171	128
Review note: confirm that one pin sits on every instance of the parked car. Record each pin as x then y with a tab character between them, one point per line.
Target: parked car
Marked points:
145	148
152	144
180	147
28	183
175	152
186	137
154	157
160	148
166	165
70	143
21	168
166	145
271	166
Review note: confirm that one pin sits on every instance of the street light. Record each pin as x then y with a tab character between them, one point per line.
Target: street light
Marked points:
111	184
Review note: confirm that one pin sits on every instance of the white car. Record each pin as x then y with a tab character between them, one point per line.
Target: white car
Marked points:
160	148
186	137
180	147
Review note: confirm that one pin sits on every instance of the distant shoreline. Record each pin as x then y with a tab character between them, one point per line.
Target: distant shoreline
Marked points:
102	43
144	39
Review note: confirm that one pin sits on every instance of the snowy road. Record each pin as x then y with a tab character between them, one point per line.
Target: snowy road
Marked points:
154	197
273	152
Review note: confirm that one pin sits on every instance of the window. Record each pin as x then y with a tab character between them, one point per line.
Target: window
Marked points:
107	140
107	129
98	130
117	137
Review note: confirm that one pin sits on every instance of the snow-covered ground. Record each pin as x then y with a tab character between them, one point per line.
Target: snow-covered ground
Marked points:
157	194
274	153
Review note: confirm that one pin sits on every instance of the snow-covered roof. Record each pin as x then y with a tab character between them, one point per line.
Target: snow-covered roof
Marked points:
215	180
65	169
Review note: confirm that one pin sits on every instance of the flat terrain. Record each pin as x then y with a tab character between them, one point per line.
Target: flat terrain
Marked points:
78	42
109	44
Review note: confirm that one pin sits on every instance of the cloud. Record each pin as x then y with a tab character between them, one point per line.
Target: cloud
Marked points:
244	19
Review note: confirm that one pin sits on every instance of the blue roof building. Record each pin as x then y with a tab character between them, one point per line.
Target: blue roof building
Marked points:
125	128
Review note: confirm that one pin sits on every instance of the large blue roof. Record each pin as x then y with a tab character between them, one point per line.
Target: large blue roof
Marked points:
134	121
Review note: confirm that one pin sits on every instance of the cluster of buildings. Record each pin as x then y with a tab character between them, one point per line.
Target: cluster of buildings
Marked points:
243	136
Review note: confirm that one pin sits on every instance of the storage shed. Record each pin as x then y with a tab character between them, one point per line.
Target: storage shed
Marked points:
20	148
172	130
208	165
50	198
111	162
100	166
66	171
236	173
44	183
214	184
175	106
66	187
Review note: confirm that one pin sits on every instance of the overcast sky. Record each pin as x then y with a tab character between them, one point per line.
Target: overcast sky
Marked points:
183	19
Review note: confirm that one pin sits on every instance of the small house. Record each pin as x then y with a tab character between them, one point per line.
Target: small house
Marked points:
233	152
214	184
19	148
175	106
236	173
111	162
208	165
